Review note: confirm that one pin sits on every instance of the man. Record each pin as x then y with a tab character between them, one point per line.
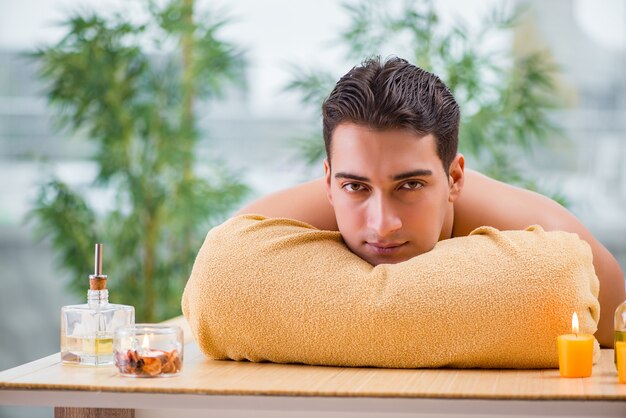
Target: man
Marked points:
395	185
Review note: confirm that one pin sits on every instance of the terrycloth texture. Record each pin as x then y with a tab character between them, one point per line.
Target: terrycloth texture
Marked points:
280	290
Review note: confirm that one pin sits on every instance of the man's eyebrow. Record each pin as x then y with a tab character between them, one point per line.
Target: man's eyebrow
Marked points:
401	176
414	173
342	175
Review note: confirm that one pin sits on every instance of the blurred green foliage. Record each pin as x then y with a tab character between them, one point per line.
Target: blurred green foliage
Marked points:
132	88
504	98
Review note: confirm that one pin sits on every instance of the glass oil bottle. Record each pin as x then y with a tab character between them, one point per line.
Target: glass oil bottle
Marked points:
87	329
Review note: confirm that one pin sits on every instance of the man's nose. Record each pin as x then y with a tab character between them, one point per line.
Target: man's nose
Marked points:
383	218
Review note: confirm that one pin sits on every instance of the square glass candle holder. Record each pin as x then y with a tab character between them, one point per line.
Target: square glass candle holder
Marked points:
148	350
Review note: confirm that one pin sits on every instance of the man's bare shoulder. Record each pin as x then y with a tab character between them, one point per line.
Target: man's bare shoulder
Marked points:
306	202
485	201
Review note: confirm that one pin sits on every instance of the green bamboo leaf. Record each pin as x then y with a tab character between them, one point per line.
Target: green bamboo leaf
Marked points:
64	218
138	108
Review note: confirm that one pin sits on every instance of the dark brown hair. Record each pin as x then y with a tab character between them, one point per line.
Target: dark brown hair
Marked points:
394	94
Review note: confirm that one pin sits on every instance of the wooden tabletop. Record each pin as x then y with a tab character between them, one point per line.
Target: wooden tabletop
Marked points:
203	376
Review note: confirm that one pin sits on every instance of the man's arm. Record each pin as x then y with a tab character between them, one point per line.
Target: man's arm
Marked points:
485	201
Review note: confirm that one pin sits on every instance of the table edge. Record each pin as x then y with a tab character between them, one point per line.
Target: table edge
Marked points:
29	387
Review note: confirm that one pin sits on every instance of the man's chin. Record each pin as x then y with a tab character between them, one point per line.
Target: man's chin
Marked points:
376	259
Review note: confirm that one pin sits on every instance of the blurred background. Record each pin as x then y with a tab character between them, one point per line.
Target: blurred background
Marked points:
541	87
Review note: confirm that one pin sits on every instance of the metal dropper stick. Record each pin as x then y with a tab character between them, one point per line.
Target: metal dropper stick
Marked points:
98	260
98	281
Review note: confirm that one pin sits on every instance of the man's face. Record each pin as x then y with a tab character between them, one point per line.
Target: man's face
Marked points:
389	190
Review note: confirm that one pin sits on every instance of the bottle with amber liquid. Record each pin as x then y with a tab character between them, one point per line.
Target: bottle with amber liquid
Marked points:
87	329
620	327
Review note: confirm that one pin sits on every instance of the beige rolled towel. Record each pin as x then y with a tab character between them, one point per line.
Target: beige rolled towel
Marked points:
280	290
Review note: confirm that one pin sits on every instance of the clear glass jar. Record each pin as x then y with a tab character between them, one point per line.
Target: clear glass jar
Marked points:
87	329
148	350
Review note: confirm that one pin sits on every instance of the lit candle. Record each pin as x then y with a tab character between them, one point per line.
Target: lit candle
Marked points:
575	352
148	350
145	345
620	352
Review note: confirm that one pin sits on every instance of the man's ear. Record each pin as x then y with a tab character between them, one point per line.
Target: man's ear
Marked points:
456	177
327	176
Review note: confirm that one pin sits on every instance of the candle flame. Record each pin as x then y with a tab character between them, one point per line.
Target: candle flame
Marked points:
575	323
146	342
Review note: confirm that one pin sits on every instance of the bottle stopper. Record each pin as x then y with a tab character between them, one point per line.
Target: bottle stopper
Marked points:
98	281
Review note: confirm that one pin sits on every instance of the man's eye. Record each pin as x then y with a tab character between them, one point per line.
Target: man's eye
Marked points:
354	187
412	185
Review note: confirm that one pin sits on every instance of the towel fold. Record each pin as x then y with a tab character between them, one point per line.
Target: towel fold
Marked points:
280	290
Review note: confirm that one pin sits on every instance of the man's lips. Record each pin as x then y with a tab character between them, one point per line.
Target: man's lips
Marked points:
384	247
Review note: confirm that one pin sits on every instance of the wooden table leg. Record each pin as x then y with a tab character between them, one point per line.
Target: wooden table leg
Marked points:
93	413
